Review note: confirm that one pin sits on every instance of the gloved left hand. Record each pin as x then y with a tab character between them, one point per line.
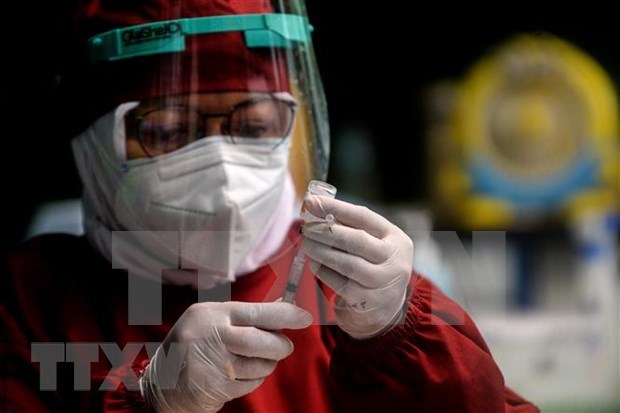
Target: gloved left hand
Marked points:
364	258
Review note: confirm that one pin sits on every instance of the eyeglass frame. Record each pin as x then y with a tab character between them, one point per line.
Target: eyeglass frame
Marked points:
138	119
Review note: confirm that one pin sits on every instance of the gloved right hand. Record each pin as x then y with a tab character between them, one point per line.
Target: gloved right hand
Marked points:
217	352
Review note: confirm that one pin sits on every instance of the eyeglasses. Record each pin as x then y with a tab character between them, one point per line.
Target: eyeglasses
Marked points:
167	128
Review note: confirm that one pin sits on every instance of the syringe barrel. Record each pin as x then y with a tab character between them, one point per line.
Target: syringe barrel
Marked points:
294	277
315	187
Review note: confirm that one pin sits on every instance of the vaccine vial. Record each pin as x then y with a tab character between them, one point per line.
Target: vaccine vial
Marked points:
316	187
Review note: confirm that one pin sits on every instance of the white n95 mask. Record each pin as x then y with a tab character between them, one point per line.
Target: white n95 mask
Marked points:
218	207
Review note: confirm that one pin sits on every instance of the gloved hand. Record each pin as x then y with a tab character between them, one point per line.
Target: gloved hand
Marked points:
216	352
364	258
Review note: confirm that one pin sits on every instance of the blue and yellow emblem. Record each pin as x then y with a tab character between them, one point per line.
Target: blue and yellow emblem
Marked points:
536	127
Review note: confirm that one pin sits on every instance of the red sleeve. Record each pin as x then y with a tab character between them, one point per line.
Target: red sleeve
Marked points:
436	361
19	388
30	297
19	379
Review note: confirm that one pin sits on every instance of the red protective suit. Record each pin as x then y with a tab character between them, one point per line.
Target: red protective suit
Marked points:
56	289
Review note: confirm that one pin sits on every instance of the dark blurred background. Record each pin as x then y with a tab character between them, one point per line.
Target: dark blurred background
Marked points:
376	62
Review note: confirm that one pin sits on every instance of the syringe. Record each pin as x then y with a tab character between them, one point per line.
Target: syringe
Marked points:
297	268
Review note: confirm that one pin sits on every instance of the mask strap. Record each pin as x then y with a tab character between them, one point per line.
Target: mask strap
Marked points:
119	137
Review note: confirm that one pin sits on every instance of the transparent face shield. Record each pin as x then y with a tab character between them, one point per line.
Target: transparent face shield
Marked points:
219	118
278	60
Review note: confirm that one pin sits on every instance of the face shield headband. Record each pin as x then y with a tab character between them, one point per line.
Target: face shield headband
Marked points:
259	30
264	53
